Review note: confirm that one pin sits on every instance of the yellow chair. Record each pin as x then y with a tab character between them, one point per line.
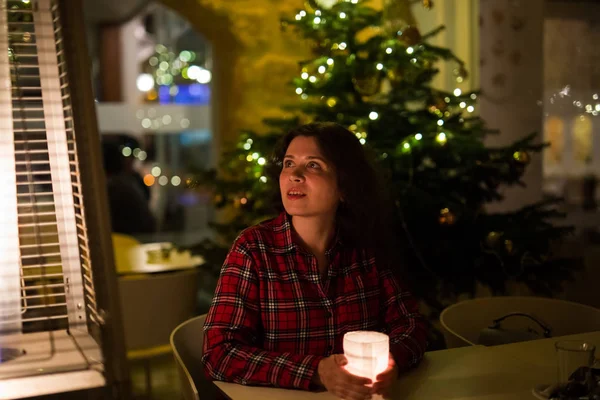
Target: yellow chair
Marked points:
463	322
124	247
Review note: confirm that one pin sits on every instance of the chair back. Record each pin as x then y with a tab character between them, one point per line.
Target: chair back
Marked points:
187	341
123	247
463	322
154	304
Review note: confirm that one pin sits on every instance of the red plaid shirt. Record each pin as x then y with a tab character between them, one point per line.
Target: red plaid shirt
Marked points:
273	318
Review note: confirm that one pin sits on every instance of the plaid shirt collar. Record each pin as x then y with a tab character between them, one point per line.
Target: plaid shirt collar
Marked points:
282	225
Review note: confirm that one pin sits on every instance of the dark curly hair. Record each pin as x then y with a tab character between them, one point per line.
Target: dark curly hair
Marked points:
365	216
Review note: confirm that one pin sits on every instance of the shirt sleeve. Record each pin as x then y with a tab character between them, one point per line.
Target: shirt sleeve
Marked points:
231	349
404	324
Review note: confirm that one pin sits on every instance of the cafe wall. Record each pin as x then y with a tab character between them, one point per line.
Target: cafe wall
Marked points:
254	59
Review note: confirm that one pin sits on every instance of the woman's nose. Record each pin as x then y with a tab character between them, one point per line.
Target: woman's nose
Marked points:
296	175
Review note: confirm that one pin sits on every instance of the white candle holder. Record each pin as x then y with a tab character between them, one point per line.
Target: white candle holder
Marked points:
367	353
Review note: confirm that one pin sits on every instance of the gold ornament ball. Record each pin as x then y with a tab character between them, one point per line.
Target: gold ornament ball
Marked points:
331	102
440	103
447	217
522	157
410	36
395	75
367	84
493	239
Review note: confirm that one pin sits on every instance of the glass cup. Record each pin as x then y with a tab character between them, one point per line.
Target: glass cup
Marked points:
575	362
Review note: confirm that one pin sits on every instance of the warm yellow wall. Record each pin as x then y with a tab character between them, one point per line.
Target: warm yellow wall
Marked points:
253	59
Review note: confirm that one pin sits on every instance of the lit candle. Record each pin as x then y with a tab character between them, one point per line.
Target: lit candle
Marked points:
367	353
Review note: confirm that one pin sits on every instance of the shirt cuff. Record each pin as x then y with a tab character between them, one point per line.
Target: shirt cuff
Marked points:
312	364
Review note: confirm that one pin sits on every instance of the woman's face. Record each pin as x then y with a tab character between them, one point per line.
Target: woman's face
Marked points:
308	181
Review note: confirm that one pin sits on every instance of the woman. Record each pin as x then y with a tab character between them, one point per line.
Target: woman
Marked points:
292	286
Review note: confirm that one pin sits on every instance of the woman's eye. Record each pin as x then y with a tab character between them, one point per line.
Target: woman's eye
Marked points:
287	163
313	165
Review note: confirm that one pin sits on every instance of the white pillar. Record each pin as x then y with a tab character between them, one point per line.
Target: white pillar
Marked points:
130	65
511	80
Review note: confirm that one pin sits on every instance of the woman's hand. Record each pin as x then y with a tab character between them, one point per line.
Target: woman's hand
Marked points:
384	380
340	382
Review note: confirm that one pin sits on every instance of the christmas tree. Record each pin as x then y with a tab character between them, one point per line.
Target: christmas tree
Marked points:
372	72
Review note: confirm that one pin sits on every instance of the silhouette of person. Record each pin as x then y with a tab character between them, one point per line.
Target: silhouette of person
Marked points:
128	197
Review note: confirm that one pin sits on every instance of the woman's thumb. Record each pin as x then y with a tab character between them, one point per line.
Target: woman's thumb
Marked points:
341	359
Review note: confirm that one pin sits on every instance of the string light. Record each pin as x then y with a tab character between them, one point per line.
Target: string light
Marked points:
379	66
440	122
462	104
373	115
470	109
418	136
299	90
156	171
342	15
261	161
410	50
441	138
388	50
322	69
148	180
330	61
263	179
457	92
